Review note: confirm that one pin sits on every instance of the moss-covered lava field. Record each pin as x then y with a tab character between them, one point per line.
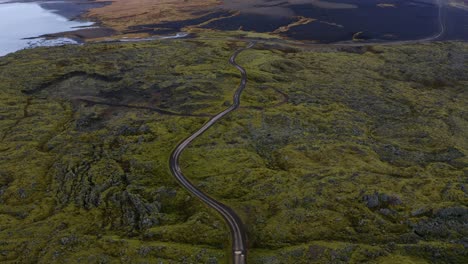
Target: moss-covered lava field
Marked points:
338	154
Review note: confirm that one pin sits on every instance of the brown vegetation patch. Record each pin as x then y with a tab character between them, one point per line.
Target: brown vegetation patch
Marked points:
124	13
300	21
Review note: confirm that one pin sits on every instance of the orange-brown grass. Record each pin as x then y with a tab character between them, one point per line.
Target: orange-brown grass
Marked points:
123	13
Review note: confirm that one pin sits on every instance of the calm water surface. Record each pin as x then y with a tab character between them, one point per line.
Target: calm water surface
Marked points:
340	20
19	21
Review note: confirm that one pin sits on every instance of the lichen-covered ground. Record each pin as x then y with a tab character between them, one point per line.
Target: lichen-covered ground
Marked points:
338	154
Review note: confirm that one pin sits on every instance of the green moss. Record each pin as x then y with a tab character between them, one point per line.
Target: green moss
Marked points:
338	154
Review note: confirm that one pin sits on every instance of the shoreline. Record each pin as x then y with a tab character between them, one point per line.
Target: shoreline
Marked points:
83	10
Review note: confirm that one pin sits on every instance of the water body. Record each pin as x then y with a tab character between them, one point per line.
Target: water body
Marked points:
404	21
340	20
19	22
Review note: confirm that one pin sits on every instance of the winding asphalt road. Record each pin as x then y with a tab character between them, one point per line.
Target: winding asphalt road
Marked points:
238	233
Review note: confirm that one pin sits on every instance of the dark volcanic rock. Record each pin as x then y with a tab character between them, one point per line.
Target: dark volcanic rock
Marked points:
381	200
448	223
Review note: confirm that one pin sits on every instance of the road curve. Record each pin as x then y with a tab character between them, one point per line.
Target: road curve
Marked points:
238	233
441	22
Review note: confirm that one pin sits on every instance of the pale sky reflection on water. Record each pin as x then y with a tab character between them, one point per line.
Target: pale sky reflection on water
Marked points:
26	20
